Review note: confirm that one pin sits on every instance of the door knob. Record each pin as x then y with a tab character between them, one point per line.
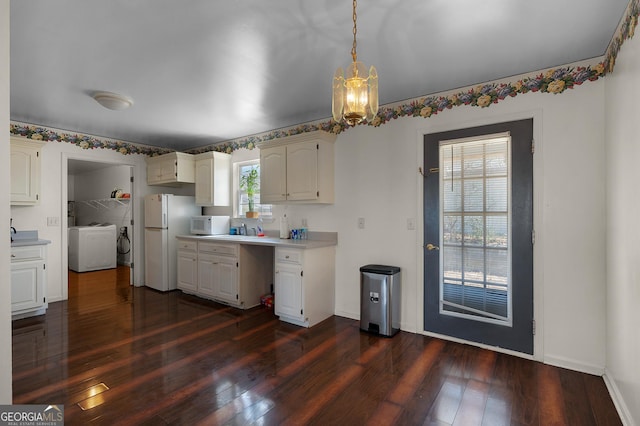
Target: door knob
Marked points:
431	247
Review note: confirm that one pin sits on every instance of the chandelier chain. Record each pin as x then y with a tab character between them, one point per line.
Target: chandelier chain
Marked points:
354	55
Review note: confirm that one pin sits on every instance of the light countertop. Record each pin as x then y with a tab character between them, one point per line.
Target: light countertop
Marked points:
24	243
322	239
27	238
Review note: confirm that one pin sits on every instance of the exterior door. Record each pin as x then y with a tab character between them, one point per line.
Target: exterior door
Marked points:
478	229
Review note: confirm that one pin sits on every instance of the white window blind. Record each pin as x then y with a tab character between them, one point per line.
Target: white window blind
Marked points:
475	218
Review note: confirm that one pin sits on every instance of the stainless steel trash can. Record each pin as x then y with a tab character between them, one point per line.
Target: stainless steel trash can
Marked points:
380	299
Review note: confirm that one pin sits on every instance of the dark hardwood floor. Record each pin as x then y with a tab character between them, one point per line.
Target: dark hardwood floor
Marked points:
113	354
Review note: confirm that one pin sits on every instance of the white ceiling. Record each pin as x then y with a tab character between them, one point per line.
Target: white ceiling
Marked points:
205	71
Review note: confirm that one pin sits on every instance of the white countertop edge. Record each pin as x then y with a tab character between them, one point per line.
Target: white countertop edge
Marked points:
25	243
263	241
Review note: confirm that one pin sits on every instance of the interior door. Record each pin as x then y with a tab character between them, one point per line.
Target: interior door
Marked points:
478	227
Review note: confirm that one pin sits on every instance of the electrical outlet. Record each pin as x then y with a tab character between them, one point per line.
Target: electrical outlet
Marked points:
361	222
411	224
304	222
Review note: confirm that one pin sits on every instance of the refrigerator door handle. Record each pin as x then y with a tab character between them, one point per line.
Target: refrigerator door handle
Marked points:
164	220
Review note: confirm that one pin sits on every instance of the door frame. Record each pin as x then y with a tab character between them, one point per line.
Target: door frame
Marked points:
64	228
538	248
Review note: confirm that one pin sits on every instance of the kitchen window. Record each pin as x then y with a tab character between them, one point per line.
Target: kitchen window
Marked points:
241	200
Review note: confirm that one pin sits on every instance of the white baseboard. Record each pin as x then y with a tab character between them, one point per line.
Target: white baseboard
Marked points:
350	315
618	401
574	365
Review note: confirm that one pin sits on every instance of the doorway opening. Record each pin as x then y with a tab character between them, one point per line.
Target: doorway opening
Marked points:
98	230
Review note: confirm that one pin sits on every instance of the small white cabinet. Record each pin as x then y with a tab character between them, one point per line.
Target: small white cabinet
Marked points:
213	179
25	171
170	169
28	265
304	285
298	169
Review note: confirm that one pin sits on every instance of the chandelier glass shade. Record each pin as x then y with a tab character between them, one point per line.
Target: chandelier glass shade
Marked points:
355	92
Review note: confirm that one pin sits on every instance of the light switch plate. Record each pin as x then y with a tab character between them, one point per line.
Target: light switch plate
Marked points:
53	221
361	223
411	224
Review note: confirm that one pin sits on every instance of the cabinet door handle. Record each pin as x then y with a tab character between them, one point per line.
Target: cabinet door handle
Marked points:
13	255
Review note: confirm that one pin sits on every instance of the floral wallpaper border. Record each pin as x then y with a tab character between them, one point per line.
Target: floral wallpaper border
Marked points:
554	81
41	133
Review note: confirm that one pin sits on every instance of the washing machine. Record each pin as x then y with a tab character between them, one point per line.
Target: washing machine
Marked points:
92	248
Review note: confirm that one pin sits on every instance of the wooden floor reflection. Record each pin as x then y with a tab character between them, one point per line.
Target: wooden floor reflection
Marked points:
114	354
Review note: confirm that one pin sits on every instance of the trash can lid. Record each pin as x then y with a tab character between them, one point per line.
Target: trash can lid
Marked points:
380	269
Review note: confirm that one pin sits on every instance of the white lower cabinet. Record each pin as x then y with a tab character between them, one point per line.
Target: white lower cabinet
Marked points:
238	274
288	288
28	264
304	285
230	273
188	266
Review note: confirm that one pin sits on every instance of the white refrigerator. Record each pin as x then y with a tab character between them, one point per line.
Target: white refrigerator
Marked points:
165	217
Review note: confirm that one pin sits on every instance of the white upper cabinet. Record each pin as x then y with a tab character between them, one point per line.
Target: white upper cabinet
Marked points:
213	179
25	171
298	169
273	164
172	168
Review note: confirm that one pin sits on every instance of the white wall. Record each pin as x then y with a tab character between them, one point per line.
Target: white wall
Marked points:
53	203
99	183
622	250
96	186
377	179
5	289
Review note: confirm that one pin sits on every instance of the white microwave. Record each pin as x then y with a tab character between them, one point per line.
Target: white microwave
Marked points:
210	225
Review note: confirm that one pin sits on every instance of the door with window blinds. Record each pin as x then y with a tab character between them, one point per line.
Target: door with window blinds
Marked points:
478	225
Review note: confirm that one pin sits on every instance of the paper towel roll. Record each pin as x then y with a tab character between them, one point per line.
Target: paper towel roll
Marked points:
284	227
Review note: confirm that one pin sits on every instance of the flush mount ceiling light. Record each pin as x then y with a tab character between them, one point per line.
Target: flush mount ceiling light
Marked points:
112	100
356	96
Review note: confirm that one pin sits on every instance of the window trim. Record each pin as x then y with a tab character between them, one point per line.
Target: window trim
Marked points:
237	193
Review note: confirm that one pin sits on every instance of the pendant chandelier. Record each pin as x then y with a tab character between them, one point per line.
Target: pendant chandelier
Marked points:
355	94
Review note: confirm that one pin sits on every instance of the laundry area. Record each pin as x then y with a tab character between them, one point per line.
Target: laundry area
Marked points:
98	215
